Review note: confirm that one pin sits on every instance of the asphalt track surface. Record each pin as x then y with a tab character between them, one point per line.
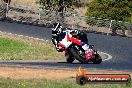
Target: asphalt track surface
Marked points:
119	47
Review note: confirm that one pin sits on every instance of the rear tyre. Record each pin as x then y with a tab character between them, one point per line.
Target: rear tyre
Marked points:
97	59
69	59
77	56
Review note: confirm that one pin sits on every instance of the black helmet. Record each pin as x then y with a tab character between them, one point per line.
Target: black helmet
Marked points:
57	29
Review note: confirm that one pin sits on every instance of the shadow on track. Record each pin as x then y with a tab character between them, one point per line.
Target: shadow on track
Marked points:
62	64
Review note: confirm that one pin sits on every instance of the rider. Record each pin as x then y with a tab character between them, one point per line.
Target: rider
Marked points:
58	35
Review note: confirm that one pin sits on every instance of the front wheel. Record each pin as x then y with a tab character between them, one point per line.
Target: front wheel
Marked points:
97	59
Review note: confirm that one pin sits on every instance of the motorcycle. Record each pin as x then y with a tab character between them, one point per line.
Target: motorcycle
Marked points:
74	51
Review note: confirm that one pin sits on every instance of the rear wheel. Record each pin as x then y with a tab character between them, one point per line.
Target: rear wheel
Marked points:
97	59
78	56
69	59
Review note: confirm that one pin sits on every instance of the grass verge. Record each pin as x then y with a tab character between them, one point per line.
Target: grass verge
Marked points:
43	83
22	48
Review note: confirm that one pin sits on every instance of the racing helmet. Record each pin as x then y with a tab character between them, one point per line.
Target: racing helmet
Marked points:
57	29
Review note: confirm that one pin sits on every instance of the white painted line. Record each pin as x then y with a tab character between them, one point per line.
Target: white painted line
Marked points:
24	36
109	56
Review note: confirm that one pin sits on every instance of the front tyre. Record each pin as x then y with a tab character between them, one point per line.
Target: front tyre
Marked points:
97	59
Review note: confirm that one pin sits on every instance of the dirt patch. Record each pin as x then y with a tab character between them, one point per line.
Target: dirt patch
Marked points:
26	73
25	3
51	74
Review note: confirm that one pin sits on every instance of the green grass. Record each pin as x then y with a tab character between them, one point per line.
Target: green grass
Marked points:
26	49
42	83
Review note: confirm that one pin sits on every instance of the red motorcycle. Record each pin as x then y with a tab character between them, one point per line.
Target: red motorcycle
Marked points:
74	51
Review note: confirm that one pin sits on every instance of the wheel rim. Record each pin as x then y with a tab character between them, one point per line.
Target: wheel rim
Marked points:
82	80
